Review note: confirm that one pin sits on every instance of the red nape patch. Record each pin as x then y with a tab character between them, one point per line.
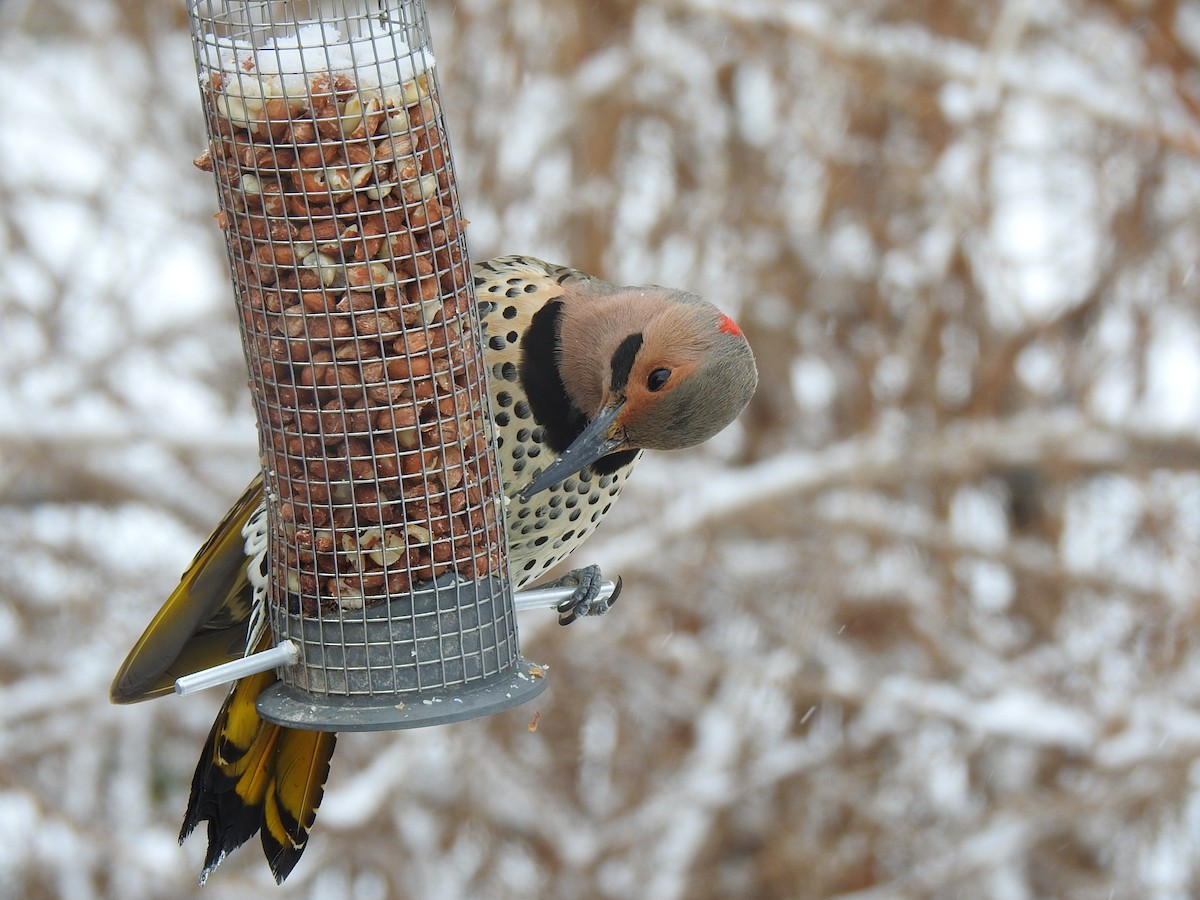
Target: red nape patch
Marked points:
730	327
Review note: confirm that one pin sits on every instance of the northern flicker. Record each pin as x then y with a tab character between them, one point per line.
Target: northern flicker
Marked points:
584	376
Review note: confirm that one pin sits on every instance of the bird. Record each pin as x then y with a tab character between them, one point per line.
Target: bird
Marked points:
584	376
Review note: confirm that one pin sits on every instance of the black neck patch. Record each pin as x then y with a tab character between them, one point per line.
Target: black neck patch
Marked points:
622	361
606	465
561	419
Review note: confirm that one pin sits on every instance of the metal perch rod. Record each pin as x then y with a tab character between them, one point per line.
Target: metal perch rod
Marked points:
286	653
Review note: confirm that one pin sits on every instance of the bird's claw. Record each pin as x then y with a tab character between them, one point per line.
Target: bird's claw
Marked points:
585	599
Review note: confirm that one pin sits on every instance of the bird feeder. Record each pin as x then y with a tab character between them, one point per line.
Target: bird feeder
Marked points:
386	575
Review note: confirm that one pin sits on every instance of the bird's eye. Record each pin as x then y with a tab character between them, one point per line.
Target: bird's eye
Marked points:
657	379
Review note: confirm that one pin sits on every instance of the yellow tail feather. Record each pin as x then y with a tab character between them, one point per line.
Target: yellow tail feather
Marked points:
254	776
290	807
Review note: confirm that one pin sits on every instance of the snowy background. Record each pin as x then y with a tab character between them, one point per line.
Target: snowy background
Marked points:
923	624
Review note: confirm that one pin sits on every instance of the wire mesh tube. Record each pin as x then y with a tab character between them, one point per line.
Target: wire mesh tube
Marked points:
384	524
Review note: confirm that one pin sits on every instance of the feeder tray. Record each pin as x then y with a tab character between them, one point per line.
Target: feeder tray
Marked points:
386	559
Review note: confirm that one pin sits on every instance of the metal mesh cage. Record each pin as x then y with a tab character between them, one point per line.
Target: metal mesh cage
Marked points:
384	526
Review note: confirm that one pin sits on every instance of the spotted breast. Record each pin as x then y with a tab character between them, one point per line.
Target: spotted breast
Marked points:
536	418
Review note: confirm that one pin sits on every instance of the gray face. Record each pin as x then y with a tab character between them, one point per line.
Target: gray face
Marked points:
650	368
706	399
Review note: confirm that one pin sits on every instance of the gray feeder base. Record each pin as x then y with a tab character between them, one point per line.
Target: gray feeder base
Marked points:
289	706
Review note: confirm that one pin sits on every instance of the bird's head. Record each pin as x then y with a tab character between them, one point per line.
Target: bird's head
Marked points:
653	368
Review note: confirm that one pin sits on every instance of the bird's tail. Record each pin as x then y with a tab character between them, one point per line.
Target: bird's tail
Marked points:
255	776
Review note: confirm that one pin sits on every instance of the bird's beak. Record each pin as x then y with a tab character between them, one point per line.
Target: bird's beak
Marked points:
594	442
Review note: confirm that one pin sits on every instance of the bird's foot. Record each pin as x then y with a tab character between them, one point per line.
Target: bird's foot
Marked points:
585	601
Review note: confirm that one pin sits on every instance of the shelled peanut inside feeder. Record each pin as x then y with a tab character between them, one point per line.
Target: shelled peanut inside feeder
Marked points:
335	195
340	213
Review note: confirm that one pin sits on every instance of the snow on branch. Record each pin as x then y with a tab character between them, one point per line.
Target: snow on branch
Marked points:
885	459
